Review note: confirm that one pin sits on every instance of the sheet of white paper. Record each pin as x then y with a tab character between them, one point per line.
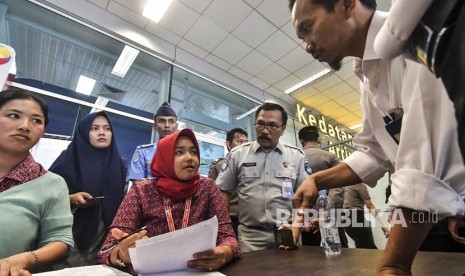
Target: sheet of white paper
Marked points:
171	251
94	270
186	273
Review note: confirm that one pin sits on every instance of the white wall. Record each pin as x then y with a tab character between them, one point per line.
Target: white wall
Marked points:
47	150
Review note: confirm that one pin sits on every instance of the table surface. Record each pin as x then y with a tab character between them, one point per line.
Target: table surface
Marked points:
310	260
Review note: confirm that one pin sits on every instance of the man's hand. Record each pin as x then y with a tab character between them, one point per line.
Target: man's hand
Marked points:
305	194
454	224
211	259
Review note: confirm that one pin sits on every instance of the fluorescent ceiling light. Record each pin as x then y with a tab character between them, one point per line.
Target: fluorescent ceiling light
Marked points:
85	85
99	102
155	9
356	126
125	60
248	112
314	78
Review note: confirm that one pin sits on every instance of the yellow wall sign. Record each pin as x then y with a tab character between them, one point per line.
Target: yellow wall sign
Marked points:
333	131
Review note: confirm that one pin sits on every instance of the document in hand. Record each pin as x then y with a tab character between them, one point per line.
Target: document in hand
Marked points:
171	251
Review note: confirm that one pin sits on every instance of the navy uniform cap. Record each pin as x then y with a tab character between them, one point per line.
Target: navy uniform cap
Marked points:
165	110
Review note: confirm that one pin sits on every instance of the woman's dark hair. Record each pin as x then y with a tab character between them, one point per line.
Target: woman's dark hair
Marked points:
18	93
270	107
329	4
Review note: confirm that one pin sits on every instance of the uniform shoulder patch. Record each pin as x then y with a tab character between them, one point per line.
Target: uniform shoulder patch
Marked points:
136	156
307	167
145	146
226	162
217	160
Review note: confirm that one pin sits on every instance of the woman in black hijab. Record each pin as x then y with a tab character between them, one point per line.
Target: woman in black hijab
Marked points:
93	168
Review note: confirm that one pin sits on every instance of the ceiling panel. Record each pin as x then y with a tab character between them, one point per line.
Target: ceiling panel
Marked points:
347	99
273	73
338	90
163	33
220	13
232	49
254	62
276	46
208	40
316	100
253	40
171	20
254	29
278	15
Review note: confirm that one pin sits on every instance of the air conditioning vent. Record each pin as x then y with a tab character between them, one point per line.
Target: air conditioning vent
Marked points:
111	93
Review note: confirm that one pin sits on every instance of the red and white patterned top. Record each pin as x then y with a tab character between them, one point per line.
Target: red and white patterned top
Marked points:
25	171
144	206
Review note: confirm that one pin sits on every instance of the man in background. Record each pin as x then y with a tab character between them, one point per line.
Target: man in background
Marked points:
355	198
235	137
320	160
165	123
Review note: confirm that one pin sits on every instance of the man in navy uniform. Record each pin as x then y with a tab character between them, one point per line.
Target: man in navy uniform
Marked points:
165	123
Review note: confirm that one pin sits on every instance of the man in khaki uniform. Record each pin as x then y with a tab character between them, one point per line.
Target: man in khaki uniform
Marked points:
265	173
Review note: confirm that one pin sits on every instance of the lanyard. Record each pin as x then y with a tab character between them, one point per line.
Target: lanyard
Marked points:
169	216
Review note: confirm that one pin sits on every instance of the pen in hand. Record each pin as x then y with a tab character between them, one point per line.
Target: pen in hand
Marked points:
116	242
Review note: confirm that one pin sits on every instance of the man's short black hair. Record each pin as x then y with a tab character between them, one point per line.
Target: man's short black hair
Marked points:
270	107
309	134
230	134
330	4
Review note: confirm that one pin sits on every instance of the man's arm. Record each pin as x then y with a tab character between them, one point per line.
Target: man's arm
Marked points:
137	165
403	18
339	176
335	177
227	179
403	244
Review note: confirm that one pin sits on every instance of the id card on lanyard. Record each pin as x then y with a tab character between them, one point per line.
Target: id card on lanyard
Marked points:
169	215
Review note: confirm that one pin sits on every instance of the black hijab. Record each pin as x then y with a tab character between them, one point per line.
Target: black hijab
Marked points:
99	172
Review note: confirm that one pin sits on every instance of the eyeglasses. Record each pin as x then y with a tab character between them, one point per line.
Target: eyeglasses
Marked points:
260	126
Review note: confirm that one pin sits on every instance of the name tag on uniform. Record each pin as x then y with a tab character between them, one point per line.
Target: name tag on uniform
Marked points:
287	189
253	164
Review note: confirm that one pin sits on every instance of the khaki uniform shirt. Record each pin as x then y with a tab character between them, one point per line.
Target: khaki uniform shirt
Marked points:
265	182
213	172
320	159
355	196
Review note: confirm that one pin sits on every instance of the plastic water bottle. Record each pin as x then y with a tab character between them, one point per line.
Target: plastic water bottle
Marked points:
330	240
